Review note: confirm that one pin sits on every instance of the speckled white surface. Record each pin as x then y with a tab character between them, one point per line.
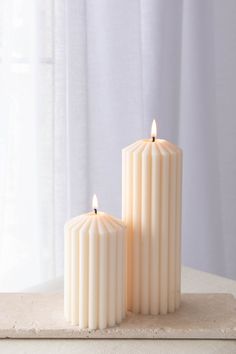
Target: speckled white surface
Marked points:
40	315
112	346
193	281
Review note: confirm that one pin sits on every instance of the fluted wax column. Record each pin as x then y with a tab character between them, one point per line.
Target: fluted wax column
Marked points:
151	209
94	286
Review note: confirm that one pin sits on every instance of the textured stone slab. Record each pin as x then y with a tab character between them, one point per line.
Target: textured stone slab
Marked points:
41	316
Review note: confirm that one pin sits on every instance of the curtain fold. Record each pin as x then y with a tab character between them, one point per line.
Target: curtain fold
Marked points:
199	139
82	79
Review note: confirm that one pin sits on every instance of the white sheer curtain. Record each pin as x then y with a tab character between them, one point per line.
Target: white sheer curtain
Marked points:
30	134
82	79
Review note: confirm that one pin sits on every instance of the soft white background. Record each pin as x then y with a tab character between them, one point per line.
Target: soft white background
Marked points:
79	80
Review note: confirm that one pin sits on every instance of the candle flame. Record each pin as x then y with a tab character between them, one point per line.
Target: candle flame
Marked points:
154	129
95	202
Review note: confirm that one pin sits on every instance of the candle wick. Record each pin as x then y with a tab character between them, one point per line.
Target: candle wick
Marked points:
95	211
153	139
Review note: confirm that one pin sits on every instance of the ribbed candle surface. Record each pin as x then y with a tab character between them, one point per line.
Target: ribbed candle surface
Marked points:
151	209
94	285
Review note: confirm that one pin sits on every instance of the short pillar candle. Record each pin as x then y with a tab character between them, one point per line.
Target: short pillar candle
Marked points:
151	209
94	286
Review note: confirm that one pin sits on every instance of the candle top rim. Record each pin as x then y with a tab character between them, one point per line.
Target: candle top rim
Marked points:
158	143
91	217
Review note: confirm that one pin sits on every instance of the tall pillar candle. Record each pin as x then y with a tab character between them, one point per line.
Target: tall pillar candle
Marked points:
95	286
151	209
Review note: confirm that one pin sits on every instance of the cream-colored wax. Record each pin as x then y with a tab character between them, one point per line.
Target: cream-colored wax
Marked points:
95	281
151	209
155	232
93	275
